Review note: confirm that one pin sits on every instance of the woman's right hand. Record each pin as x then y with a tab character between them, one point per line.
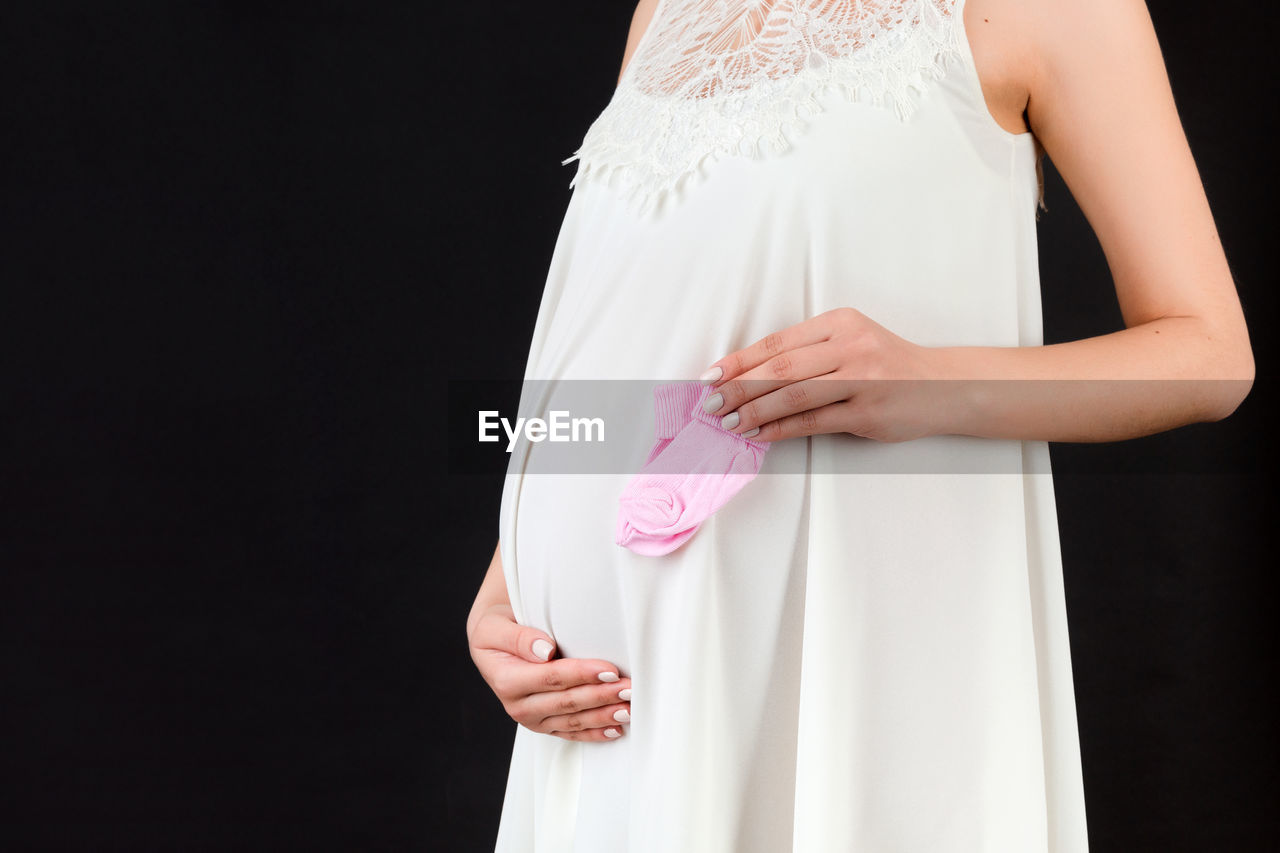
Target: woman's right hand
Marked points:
573	698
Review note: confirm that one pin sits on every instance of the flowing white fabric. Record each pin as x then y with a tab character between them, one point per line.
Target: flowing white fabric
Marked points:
875	661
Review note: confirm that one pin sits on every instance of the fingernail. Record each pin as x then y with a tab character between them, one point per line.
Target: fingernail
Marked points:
612	733
751	432
730	420
711	375
608	676
625	694
622	715
542	649
715	401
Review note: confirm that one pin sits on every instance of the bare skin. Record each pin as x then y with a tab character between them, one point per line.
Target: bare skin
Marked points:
1087	78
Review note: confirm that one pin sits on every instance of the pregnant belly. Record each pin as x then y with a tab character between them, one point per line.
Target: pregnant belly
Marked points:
567	563
600	600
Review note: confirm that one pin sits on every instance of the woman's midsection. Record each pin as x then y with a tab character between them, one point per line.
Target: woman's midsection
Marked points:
565	555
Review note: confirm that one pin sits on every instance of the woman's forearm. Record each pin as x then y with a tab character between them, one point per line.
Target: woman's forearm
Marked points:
493	590
1141	380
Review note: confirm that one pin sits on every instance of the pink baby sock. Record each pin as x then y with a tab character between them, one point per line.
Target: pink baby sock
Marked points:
694	468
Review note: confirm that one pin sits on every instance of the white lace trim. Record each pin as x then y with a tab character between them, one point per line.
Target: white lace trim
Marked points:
730	77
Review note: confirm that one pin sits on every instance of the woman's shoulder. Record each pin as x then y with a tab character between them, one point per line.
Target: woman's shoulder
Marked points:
1026	51
640	21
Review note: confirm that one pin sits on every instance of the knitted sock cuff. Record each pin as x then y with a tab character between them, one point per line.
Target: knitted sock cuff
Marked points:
672	404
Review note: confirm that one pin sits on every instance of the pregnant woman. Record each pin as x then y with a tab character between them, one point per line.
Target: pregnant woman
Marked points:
822	213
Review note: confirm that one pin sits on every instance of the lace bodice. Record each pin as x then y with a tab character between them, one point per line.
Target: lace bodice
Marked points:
713	78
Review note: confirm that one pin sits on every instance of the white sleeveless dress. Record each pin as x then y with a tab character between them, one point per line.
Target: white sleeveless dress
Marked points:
867	649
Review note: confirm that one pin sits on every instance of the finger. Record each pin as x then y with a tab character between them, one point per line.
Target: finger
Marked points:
805	333
609	715
608	733
778	376
542	706
562	674
830	418
499	630
791	401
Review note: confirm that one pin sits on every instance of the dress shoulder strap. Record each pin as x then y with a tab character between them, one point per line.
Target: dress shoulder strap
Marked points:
728	77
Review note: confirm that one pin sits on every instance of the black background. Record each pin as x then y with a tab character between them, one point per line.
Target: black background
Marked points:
246	247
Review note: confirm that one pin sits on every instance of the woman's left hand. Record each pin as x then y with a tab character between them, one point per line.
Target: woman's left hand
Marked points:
837	372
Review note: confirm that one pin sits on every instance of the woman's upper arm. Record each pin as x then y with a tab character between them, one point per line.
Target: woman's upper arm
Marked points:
639	23
1101	104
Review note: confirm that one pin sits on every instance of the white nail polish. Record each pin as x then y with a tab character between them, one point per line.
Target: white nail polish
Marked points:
625	694
612	733
715	401
608	676
711	375
730	420
622	715
542	649
751	432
